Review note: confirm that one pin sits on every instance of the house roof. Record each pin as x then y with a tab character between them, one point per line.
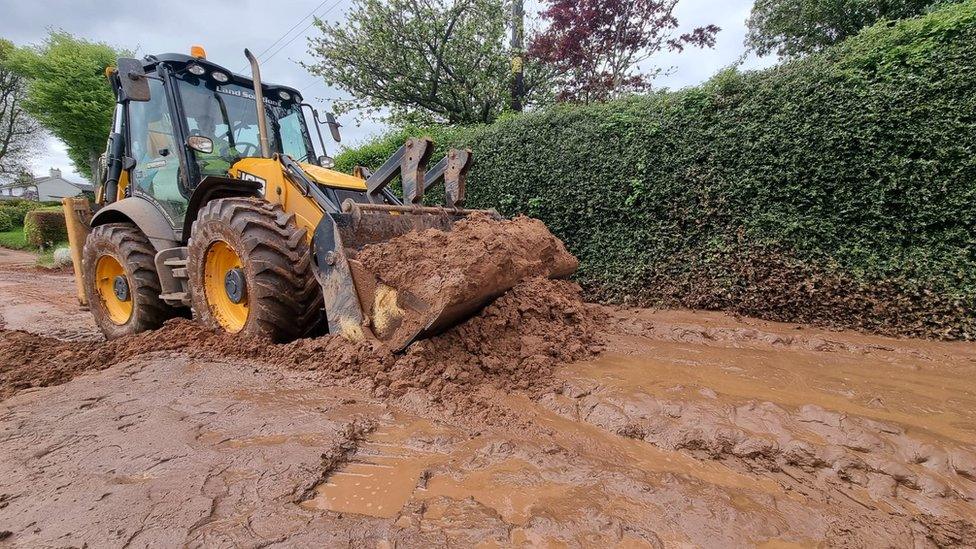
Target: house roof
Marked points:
37	180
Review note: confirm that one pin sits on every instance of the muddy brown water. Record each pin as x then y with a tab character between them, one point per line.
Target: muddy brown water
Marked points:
688	429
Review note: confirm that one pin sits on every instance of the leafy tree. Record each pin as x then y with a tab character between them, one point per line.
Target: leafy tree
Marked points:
791	28
68	93
19	132
424	60
597	46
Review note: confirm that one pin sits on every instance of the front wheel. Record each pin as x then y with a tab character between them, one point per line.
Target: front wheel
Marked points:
121	281
250	270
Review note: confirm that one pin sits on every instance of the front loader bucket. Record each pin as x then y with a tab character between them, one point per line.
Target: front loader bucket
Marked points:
358	304
395	290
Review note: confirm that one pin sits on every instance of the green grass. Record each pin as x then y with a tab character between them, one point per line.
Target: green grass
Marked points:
14	239
46	257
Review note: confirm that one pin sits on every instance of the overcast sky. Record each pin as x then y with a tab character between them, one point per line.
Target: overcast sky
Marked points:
226	27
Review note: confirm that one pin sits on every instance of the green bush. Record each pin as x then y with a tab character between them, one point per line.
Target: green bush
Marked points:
838	189
17	209
45	227
12	214
6	221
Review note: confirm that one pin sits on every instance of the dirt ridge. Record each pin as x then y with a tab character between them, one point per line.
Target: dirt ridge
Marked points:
513	343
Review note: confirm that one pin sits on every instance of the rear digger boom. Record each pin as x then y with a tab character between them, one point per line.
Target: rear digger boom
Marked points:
208	198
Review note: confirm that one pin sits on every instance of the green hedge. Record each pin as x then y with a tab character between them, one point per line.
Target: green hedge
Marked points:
16	210
837	189
45	227
7	222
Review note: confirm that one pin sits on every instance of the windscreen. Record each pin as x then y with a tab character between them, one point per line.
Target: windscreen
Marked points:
225	113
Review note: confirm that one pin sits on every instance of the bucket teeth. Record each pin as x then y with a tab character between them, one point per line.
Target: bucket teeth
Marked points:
410	163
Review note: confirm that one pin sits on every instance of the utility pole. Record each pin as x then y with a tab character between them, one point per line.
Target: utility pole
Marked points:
518	49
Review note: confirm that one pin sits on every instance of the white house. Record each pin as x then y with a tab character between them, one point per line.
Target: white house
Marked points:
51	187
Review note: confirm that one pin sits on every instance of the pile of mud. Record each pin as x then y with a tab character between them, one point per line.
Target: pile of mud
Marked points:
29	360
455	272
514	343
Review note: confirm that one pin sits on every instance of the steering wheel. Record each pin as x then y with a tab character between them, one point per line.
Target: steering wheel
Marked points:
247	149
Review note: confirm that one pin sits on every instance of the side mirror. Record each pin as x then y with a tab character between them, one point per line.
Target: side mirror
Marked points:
326	161
135	85
200	143
333	126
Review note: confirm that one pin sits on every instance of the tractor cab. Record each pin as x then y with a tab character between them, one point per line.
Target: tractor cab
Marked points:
180	119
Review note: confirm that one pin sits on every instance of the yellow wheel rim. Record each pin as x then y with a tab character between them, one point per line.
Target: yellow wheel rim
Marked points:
220	260
113	289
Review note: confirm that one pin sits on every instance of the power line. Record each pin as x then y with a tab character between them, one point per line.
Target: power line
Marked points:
302	33
319	80
287	32
314	79
293	27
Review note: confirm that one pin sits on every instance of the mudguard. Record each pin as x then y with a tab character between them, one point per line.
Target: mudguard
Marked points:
142	214
212	188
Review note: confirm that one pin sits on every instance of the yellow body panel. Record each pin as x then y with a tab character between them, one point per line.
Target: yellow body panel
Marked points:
332	178
119	193
123	185
278	190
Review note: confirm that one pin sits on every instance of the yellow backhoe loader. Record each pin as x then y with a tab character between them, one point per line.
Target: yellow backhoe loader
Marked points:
210	196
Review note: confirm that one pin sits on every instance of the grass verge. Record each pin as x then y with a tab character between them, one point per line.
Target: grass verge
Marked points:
46	257
14	239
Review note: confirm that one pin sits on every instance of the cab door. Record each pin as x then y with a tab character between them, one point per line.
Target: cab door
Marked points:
154	148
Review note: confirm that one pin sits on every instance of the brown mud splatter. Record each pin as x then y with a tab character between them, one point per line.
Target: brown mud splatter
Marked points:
513	343
774	284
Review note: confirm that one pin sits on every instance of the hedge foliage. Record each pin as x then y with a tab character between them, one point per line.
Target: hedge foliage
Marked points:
45	227
6	221
16	210
837	189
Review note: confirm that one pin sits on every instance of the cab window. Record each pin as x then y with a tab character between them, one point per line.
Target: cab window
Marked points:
291	128
153	147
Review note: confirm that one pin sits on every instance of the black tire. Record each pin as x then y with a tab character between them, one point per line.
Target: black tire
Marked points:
127	245
283	298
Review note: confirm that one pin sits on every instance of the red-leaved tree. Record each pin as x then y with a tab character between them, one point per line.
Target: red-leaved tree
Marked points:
595	47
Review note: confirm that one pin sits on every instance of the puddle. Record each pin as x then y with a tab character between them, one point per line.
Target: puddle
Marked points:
910	391
515	477
384	471
618	453
514	488
378	487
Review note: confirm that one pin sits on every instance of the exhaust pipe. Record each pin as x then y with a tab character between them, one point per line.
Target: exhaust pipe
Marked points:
259	102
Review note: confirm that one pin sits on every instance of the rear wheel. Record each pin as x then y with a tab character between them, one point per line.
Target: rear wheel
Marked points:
121	281
250	270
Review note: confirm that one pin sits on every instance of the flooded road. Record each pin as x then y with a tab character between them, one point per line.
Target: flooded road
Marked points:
688	429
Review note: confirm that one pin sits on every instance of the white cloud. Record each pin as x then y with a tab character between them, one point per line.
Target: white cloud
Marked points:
54	155
694	65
